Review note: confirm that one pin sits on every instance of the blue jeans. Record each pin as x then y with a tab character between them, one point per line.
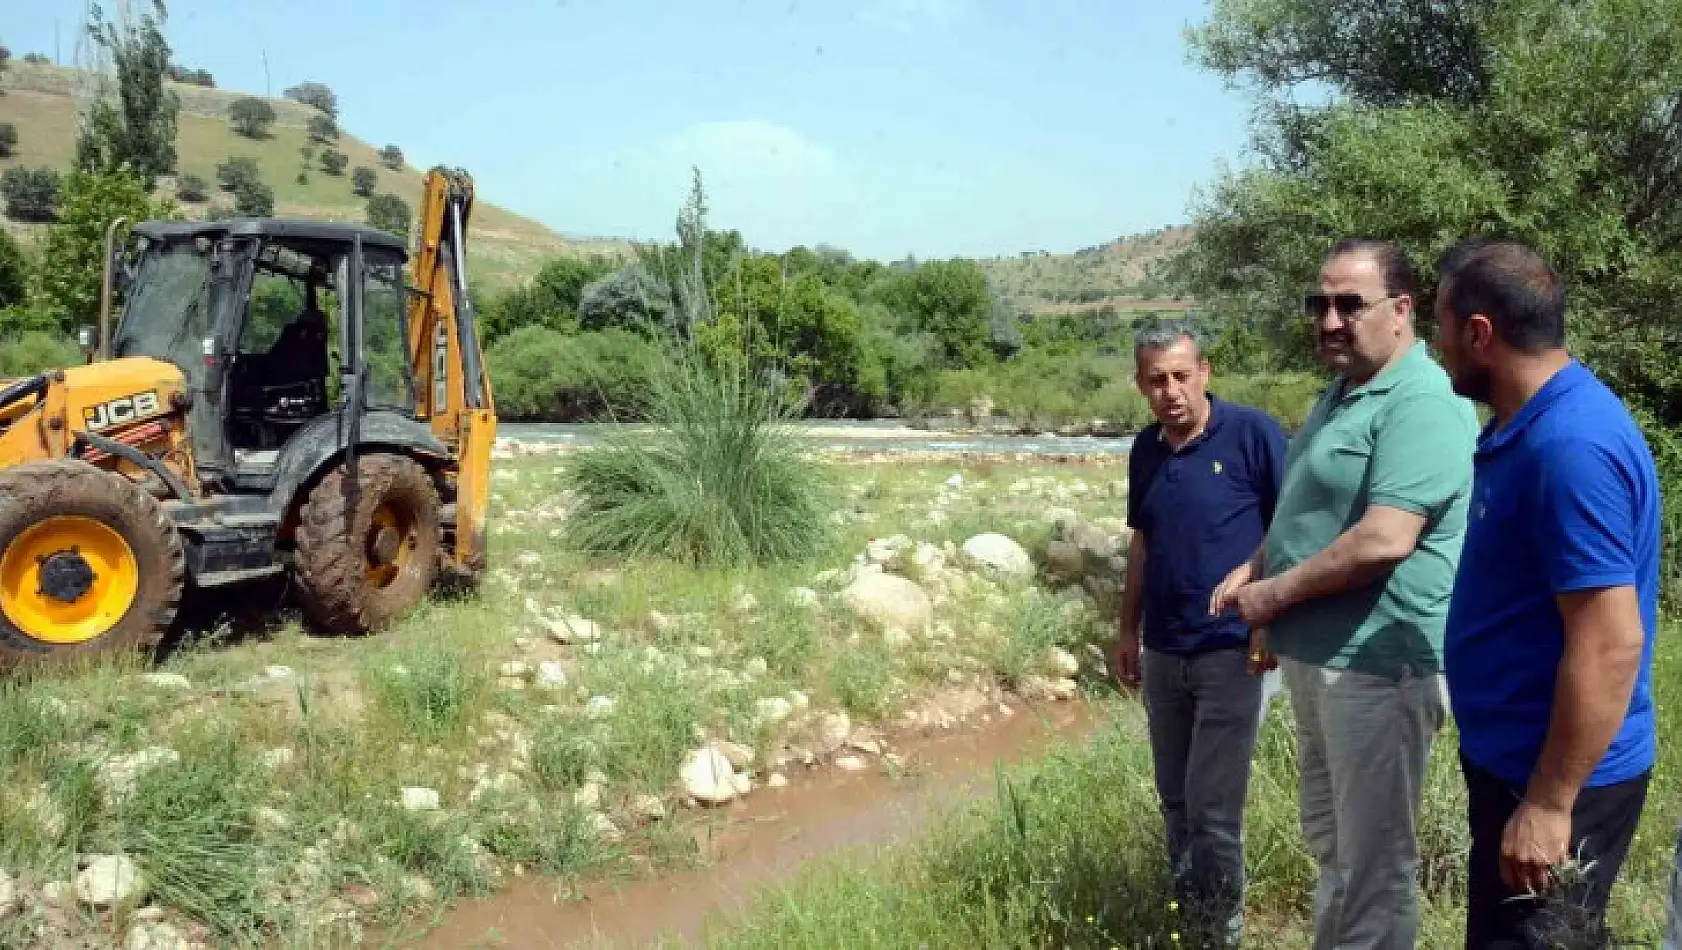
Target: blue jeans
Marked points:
1203	713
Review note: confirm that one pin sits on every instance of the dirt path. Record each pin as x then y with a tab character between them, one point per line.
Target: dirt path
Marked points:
764	841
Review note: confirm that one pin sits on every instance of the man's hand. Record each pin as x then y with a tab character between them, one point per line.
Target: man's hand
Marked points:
1261	658
1259	602
1226	590
1125	660
1536	841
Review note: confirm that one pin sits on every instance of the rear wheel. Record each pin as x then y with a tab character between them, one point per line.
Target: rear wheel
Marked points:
88	563
368	547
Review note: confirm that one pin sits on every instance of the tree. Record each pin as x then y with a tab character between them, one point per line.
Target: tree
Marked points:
192	188
628	299
950	301
333	161
5	61
8	139
315	94
237	171
192	77
138	129
73	259
36	59
392	157
32	194
254	199
323	129
251	116
551	299
14	271
362	181
389	213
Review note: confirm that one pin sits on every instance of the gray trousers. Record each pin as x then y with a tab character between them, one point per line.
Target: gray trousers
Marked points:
1203	713
1363	742
1673	933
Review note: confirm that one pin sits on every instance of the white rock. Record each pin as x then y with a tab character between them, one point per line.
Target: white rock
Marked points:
773	710
851	763
742	784
799	699
278	758
110	880
865	744
502	783
598	706
528	559
756	667
802	597
166	680
270	820
777	780
889	600
649	807
8	895
833	730
551	674
588	796
420	799
574	629
895	638
154	935
956	481
120	774
418	888
1062	662
999	553
149	914
746	602
58	894
513	669
882	550
739	756
278	672
708	777
604	827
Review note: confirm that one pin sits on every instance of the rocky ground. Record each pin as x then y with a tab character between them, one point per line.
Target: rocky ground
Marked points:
573	718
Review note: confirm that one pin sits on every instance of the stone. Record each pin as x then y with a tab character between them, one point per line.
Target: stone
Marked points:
746	602
270	821
528	559
420	799
119	775
60	894
278	672
799	699
513	669
999	553
588	796
739	756
742	784
851	763
1062	662
503	783
154	935
955	481
866	744
883	550
757	667
551	674
418	888
802	597
598	706
574	629
773	710
777	780
110	880
8	895
649	807
928	558
150	914
833	731
1063	558
889	600
604	827
1060	519
708	777
173	681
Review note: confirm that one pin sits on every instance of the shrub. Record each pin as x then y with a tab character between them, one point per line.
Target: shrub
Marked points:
314	94
543	375
14	273
389	213
33	351
254	199
251	116
31	193
323	129
362	181
333	161
391	157
36	59
237	171
192	189
8	139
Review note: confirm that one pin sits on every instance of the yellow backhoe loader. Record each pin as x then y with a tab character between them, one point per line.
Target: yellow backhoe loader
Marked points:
277	396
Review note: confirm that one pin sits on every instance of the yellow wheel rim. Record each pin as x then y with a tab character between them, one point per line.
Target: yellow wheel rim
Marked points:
392	538
68	579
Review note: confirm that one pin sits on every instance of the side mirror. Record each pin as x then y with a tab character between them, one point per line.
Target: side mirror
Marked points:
87	338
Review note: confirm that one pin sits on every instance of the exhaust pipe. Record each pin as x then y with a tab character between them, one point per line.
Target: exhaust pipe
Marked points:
105	289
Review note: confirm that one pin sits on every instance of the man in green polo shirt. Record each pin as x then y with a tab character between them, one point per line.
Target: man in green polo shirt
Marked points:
1351	588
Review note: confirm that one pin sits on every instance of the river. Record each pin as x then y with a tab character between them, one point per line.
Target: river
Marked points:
875	435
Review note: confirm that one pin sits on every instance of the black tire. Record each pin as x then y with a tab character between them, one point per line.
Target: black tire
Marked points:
342	584
33	493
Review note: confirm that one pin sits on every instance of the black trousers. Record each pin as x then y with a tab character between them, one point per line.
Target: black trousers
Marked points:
1603	822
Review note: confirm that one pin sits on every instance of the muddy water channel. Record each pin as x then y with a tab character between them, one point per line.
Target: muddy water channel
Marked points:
763	840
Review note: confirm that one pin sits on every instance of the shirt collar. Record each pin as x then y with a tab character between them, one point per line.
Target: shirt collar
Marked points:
1217	415
1567	378
1390	376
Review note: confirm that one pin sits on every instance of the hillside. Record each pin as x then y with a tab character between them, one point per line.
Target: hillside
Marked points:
1121	274
503	247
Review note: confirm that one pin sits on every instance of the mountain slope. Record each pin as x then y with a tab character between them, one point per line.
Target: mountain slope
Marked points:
1122	273
503	247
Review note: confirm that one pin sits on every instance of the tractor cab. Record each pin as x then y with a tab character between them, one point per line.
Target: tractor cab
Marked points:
277	325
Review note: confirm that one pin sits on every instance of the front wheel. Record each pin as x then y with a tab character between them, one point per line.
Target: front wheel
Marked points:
367	548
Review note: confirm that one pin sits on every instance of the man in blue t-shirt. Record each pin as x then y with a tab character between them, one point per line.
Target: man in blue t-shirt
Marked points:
1549	644
1203	479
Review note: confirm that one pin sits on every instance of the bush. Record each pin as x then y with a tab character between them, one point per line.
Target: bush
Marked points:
192	189
719	481
333	161
36	59
392	157
323	129
14	273
389	213
362	181
31	193
251	116
314	94
543	375
33	351
236	172
8	139
255	200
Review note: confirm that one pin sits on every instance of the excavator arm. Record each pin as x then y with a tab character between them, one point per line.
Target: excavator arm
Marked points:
452	391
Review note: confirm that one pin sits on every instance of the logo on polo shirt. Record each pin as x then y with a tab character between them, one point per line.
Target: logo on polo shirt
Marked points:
1217	467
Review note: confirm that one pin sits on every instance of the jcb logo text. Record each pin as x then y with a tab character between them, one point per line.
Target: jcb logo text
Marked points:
118	411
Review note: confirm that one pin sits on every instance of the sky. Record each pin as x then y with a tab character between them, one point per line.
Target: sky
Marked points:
934	128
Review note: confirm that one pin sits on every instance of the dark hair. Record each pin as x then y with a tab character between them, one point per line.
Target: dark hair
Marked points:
1511	285
1163	332
1399	277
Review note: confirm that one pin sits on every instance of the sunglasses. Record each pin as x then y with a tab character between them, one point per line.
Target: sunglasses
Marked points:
1316	305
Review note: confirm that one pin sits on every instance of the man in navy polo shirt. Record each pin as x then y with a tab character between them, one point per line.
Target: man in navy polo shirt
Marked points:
1550	631
1203	481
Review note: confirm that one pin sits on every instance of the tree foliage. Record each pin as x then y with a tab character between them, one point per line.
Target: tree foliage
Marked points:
389	213
237	172
316	95
14	272
8	139
333	161
254	199
392	157
192	188
363	180
137	130
323	129
67	281
550	299
31	193
251	116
